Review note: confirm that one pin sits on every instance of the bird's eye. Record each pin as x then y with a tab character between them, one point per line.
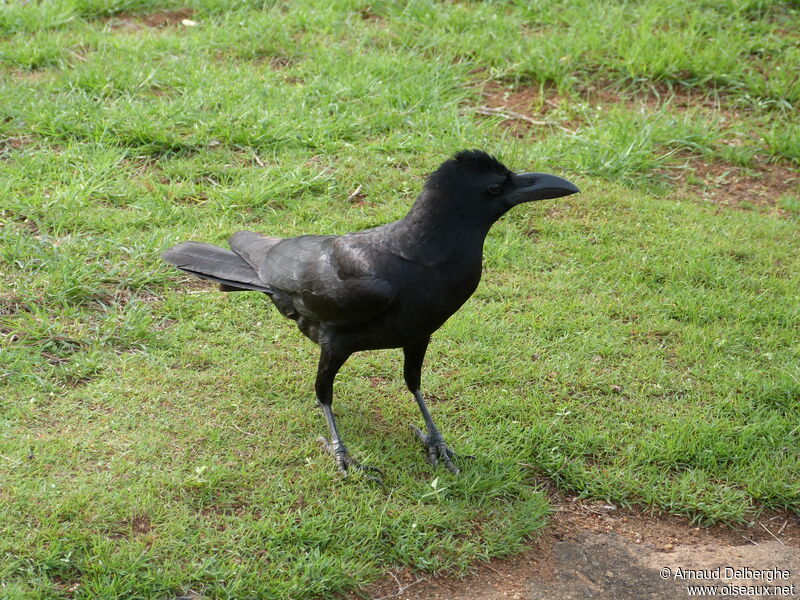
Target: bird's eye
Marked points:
494	189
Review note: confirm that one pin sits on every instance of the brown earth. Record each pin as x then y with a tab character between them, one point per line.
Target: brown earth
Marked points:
736	187
529	106
720	183
160	19
598	551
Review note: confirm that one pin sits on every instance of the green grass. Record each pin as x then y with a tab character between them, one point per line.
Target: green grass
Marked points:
633	343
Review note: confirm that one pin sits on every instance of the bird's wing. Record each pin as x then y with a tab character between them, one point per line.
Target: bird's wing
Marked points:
331	279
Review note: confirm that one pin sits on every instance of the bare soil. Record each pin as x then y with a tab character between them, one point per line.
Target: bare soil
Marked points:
739	187
598	551
523	108
157	20
527	108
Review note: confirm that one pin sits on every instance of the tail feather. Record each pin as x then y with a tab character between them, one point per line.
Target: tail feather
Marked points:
251	246
215	264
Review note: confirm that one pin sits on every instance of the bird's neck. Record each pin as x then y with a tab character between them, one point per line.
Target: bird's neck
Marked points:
437	228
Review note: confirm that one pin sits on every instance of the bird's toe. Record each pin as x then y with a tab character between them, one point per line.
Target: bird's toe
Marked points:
447	457
420	436
345	463
437	449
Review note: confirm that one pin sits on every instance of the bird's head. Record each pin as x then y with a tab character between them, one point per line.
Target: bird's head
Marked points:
476	185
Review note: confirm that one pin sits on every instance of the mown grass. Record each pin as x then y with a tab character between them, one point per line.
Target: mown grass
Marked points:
632	343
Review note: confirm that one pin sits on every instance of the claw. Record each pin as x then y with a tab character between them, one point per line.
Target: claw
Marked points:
437	450
344	462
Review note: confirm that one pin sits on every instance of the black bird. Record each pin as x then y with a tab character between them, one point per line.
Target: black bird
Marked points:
387	287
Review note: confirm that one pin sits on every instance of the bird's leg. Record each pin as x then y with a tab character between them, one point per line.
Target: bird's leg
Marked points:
433	441
329	365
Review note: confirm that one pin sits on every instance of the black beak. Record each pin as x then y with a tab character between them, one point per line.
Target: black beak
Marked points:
539	186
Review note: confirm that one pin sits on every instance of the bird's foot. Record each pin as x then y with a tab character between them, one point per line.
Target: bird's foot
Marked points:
437	450
345	462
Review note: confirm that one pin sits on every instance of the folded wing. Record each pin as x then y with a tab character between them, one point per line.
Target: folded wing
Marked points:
330	279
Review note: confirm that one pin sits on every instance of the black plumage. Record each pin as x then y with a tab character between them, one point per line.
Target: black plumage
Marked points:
387	287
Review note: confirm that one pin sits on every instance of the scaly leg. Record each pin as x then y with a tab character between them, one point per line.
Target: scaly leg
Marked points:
329	365
433	441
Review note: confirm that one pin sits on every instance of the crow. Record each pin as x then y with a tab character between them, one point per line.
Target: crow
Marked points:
391	286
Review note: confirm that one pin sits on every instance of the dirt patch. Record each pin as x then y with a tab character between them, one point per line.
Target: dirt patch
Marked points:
11	304
527	100
358	197
367	14
656	95
738	187
281	63
154	20
141	524
278	62
524	108
598	551
15	144
136	525
763	184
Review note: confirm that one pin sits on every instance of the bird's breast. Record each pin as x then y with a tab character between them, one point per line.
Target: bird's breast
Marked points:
426	294
434	293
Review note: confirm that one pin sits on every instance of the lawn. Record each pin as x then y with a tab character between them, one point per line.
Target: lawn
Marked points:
637	343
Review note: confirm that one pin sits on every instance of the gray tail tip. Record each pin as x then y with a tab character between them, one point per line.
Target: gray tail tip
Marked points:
171	254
